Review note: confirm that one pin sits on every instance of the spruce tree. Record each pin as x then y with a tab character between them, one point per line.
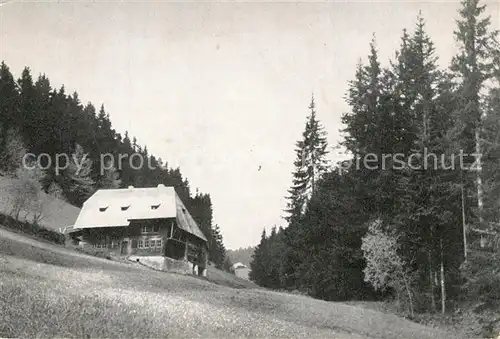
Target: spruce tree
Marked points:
476	73
258	265
417	216
310	164
110	179
217	251
28	104
13	151
364	131
78	184
473	67
10	103
42	125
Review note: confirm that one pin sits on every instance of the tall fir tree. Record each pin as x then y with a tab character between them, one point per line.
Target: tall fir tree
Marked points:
77	177
473	66
259	261
10	103
310	164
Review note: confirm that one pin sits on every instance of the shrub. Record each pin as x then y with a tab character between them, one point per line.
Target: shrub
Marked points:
32	229
94	252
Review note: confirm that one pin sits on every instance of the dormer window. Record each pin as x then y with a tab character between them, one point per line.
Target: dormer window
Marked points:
102	209
124	208
155	207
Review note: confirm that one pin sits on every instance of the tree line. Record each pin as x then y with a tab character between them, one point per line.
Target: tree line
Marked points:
242	255
36	118
426	236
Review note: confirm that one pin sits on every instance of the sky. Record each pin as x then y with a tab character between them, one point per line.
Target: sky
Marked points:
220	89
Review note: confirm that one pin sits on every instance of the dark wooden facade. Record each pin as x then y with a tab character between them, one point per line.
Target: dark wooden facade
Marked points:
150	237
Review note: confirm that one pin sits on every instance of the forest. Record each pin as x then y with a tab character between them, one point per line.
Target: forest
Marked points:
242	255
36	120
421	233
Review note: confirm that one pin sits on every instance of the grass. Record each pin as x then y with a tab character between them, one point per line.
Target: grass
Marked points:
56	213
47	290
227	279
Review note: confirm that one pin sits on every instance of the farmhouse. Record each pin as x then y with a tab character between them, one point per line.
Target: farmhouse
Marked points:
148	225
241	270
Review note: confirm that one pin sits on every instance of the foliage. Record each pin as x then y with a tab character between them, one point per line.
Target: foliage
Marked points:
242	255
12	150
258	265
385	268
56	191
228	265
31	228
110	178
77	177
26	194
217	250
310	164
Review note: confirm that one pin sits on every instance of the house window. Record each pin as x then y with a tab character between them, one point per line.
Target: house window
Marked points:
150	228
114	244
100	245
150	243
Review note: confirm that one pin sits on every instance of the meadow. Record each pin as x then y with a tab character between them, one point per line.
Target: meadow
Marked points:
47	290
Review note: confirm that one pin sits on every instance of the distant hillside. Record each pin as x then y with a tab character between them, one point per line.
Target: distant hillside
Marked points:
242	255
56	213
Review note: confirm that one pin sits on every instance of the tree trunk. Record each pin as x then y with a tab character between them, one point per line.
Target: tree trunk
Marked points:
312	181
443	291
407	287
464	227
431	283
479	184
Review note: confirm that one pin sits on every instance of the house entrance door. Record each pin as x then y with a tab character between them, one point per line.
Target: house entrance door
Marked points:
124	249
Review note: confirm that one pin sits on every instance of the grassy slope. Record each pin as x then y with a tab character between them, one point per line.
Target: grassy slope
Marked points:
227	279
56	213
47	290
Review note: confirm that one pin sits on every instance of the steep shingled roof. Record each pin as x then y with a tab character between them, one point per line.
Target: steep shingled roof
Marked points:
239	265
117	207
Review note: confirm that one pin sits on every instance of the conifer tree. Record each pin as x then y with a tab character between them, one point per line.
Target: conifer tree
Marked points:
13	151
110	179
364	132
476	71
310	164
259	261
77	177
416	218
29	110
10	103
217	251
473	66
